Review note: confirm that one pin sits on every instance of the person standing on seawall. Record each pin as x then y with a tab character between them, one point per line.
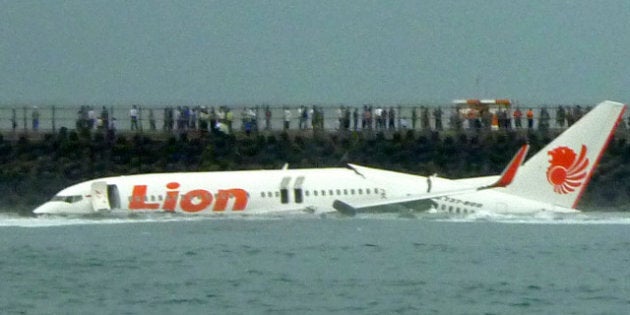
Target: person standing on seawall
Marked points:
560	117
414	117
530	118
151	119
267	118
133	114
35	117
13	119
105	118
437	115
517	118
91	118
287	118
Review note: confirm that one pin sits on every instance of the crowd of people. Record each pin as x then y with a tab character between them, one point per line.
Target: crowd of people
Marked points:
367	117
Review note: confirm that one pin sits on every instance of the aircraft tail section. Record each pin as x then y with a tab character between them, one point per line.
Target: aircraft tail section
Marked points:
509	172
559	173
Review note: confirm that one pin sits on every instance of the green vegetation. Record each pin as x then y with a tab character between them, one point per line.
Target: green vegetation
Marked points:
34	170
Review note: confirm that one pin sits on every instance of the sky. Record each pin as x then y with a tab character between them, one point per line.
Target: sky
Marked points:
279	52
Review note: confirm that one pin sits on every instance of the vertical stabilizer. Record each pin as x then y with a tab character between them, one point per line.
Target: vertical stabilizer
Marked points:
559	173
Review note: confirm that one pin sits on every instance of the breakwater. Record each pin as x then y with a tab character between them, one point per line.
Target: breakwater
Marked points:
34	168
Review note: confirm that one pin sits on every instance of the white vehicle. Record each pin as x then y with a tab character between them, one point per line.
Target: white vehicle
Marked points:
551	180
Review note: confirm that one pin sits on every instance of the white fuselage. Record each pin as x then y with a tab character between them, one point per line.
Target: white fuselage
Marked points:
277	191
247	192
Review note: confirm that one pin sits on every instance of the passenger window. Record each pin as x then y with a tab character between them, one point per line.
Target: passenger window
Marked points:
345	191
360	191
323	193
306	193
315	193
262	194
338	192
352	191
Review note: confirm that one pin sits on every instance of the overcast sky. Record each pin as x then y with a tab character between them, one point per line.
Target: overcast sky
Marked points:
312	51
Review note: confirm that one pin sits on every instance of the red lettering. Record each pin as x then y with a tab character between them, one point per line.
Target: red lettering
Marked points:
223	196
138	197
204	197
193	201
171	197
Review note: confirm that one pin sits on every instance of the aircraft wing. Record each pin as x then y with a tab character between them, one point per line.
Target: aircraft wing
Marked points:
505	179
351	210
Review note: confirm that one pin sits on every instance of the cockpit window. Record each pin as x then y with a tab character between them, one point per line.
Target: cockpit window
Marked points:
68	199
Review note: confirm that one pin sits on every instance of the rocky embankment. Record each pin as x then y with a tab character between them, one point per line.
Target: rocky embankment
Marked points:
35	168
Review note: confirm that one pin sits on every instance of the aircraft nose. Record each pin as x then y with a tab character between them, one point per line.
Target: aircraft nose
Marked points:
46	208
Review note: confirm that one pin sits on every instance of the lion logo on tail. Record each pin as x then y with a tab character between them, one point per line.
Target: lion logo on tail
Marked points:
567	170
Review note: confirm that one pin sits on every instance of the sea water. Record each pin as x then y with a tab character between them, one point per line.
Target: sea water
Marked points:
308	264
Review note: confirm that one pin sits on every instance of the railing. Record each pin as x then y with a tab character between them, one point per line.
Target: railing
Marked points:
160	119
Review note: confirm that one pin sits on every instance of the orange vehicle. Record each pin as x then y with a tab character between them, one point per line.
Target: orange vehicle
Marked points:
482	112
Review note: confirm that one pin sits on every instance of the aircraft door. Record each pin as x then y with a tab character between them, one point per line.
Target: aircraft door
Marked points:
113	196
297	189
99	192
284	190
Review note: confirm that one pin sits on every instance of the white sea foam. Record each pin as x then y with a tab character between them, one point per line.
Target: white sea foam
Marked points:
545	218
47	221
9	220
622	218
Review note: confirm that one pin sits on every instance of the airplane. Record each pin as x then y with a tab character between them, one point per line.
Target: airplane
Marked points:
552	180
254	192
